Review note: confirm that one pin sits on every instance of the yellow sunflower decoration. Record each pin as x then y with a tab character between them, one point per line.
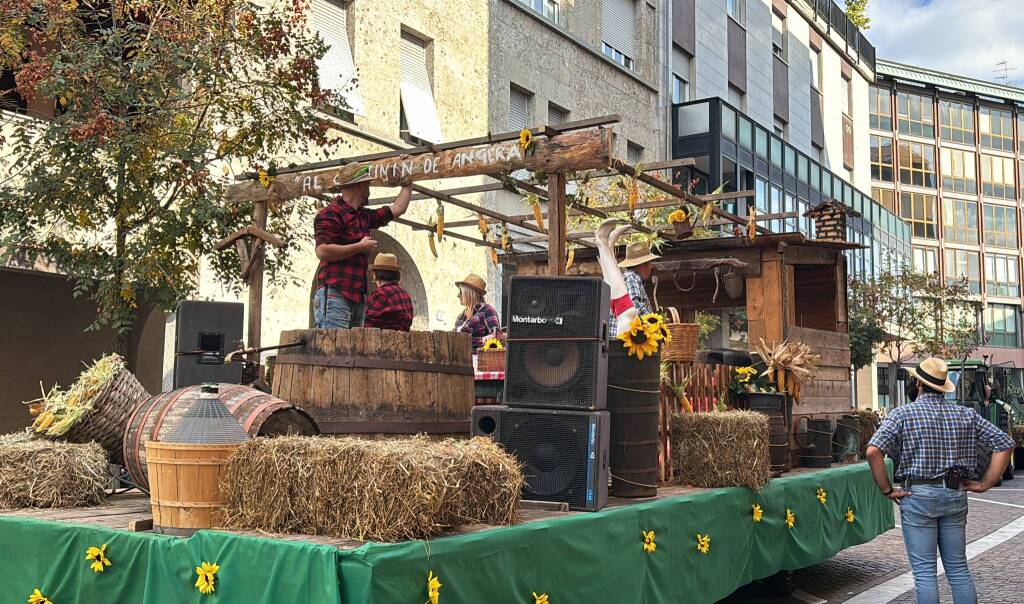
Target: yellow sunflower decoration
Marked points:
639	340
655	323
757	513
677	216
37	597
526	141
493	344
207	581
703	543
98	556
849	516
433	588
822	496
541	599
649	544
790	518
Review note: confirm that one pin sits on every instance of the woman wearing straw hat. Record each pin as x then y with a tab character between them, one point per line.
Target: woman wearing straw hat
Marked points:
389	306
478	318
636	269
936	443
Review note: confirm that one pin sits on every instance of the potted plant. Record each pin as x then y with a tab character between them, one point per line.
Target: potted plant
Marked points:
754	391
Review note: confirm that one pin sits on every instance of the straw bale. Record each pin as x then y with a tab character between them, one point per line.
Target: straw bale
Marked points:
721	449
384	490
1018	434
867	423
46	474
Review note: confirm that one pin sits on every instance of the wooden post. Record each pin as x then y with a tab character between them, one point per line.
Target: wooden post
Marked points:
259	219
556	223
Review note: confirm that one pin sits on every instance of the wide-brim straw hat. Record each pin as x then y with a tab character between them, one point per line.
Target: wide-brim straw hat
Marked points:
385	262
361	175
933	373
638	253
475	282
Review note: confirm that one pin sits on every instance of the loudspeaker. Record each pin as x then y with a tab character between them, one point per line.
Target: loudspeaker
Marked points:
206	332
559	374
564	453
571	307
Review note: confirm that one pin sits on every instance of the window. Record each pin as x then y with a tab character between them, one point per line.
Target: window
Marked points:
846	92
557	115
958	173
919	210
881	158
885	197
963	263
997	177
1001	324
1002	277
880	106
634	153
960	220
1020	133
761	143
816	68
519	118
779	127
736	98
680	75
996	129
917	164
417	111
779	36
336	69
926	259
956	122
547	8
735	9
618	28
915	115
1000	223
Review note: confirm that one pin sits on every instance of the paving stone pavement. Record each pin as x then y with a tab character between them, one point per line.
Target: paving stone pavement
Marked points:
858	569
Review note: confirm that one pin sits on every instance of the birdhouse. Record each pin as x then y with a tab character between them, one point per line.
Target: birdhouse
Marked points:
830	220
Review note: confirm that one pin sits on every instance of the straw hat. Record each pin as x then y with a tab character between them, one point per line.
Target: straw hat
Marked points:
933	373
638	253
385	262
361	175
475	282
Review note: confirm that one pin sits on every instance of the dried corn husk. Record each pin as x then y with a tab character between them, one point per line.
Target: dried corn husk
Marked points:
789	364
60	409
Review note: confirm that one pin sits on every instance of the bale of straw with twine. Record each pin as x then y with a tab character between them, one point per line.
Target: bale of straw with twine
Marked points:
721	449
45	474
384	490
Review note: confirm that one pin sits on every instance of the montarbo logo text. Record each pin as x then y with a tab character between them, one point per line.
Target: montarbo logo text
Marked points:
537	320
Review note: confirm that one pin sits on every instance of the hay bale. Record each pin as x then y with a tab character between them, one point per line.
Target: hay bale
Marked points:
867	422
721	449
1018	434
45	474
384	490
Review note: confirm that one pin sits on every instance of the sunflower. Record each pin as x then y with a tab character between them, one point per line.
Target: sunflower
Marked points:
677	216
649	544
207	580
790	518
849	516
98	555
655	324
822	495
493	344
639	342
525	140
703	543
758	513
433	588
37	597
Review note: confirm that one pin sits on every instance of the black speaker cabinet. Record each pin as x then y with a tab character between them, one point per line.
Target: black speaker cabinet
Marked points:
559	374
564	453
206	332
573	307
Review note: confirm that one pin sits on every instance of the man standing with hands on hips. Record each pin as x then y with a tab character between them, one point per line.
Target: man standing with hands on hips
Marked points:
936	443
344	245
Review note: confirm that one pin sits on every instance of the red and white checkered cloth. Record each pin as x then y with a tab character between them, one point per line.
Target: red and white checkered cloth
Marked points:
489	375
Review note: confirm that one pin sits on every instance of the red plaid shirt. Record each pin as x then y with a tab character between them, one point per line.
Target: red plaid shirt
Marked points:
481	325
339	223
389	307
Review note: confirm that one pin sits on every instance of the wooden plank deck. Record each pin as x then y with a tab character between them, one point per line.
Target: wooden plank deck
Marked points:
125	511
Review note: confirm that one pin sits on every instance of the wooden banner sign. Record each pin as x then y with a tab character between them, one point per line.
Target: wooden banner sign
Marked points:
572	151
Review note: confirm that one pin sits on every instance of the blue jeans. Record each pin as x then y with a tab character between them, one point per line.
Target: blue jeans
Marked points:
331	310
936	516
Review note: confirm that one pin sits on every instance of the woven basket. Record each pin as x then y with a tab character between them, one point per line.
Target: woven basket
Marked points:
108	419
683	347
490	360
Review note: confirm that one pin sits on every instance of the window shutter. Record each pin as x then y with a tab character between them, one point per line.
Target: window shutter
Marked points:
618	26
556	116
518	110
336	69
417	96
681	64
633	154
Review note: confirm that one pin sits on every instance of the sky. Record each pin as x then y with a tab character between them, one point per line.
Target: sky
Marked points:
964	37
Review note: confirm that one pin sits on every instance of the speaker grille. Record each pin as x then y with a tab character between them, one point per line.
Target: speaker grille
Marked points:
571	306
553	449
556	373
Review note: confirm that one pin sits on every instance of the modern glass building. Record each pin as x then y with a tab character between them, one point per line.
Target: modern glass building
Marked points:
733	151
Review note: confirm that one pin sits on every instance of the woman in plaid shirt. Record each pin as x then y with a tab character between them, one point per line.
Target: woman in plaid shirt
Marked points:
478	318
389	306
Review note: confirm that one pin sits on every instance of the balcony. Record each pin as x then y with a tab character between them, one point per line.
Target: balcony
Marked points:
829	16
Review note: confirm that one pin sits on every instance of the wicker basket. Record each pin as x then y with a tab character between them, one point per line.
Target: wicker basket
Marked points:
683	347
490	360
108	419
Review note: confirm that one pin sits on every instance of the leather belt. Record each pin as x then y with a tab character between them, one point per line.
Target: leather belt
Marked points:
950	482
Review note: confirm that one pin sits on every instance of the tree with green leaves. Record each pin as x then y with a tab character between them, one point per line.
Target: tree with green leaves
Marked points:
158	104
857	13
950	328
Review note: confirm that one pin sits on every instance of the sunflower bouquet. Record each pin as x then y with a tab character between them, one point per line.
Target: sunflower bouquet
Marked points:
749	379
645	336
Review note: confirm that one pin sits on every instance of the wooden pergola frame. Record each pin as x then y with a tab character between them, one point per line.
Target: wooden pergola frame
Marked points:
250	241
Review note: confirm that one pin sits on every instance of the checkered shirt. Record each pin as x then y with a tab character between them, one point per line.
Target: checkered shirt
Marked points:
637	293
481	325
389	307
932	437
339	223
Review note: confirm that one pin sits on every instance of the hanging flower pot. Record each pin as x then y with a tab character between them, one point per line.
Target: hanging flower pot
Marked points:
733	284
681	224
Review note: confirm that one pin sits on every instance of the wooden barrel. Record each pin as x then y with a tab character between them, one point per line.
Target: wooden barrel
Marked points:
378	382
185	485
633	391
259	413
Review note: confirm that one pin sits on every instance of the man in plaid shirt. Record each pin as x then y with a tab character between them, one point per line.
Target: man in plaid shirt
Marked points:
389	306
343	245
936	444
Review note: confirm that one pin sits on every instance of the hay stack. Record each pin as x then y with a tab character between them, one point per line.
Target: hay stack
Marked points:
867	422
721	449
46	474
1018	434
384	490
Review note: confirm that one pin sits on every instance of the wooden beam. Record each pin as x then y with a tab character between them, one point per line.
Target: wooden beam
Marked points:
581	150
425	227
478	209
556	222
255	330
484	188
651	167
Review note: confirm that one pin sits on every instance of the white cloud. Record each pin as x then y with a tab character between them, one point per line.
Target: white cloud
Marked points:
964	37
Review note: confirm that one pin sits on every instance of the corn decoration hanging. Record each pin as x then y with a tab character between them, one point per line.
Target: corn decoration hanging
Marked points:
482	225
505	240
538	215
431	234
570	257
751	222
790	365
440	220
